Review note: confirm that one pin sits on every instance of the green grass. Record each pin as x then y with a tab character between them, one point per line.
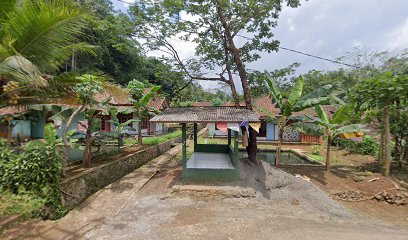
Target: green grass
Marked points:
23	204
317	158
155	140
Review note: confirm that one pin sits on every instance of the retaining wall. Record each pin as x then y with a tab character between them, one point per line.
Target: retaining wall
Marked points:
77	188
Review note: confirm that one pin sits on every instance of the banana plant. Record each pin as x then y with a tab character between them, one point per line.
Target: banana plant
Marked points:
120	127
140	100
330	127
290	102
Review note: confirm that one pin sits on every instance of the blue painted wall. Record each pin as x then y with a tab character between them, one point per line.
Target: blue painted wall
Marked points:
270	132
22	128
37	125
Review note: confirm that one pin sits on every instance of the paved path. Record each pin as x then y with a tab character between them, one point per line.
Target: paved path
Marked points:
105	204
136	208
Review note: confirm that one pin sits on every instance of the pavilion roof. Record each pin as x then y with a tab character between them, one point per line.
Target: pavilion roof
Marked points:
205	115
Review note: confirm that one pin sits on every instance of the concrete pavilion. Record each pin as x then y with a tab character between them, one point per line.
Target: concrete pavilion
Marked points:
217	162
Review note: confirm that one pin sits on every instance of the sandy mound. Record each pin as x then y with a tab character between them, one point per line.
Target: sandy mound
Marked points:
280	187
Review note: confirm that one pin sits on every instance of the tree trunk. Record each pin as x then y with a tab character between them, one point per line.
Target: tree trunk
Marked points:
381	151
252	146
406	152
387	141
229	72
282	129
87	157
67	144
139	133
397	153
328	151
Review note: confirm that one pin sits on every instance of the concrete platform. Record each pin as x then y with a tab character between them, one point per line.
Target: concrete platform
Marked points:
202	160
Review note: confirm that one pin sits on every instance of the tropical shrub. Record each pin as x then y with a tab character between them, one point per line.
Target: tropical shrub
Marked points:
155	140
36	171
367	145
316	150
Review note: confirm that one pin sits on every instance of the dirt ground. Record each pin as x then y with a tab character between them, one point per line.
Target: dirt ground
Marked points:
349	174
268	203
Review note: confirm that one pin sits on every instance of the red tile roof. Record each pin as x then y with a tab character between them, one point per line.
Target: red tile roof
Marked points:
265	103
13	110
120	98
262	104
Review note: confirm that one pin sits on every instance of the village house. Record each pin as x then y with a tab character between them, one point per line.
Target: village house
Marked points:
269	129
29	121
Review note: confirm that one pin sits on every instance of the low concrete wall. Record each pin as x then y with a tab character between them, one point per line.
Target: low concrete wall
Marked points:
77	188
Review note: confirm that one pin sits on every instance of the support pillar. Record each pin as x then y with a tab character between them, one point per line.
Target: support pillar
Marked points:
195	136
229	137
184	144
236	150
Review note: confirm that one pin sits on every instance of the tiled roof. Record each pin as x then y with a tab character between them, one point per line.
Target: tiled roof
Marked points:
120	98
209	104
205	115
201	104
265	104
13	110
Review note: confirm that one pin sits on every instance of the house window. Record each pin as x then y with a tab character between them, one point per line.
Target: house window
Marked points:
123	119
145	123
105	124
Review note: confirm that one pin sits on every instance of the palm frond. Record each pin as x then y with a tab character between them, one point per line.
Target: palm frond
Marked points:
22	70
45	31
6	6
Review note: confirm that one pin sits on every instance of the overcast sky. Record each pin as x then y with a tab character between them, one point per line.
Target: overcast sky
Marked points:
329	28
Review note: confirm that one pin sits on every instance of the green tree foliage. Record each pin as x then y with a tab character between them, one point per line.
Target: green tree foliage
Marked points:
118	53
36	37
331	128
36	171
282	76
385	91
291	101
141	96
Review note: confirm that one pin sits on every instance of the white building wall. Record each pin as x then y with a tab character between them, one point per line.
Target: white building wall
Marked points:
212	131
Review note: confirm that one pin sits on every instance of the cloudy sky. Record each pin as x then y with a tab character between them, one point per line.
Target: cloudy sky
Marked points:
329	28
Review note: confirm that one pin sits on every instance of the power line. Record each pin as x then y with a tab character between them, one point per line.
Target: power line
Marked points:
122	1
292	50
309	55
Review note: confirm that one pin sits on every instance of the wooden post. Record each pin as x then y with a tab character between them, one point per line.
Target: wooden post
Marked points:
236	158
195	136
229	137
184	144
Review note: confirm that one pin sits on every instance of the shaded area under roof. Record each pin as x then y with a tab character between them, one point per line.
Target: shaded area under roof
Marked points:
205	115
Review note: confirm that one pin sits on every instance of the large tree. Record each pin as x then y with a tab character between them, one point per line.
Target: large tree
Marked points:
215	26
385	92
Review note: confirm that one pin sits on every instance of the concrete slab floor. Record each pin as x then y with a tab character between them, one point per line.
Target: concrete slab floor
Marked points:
210	161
